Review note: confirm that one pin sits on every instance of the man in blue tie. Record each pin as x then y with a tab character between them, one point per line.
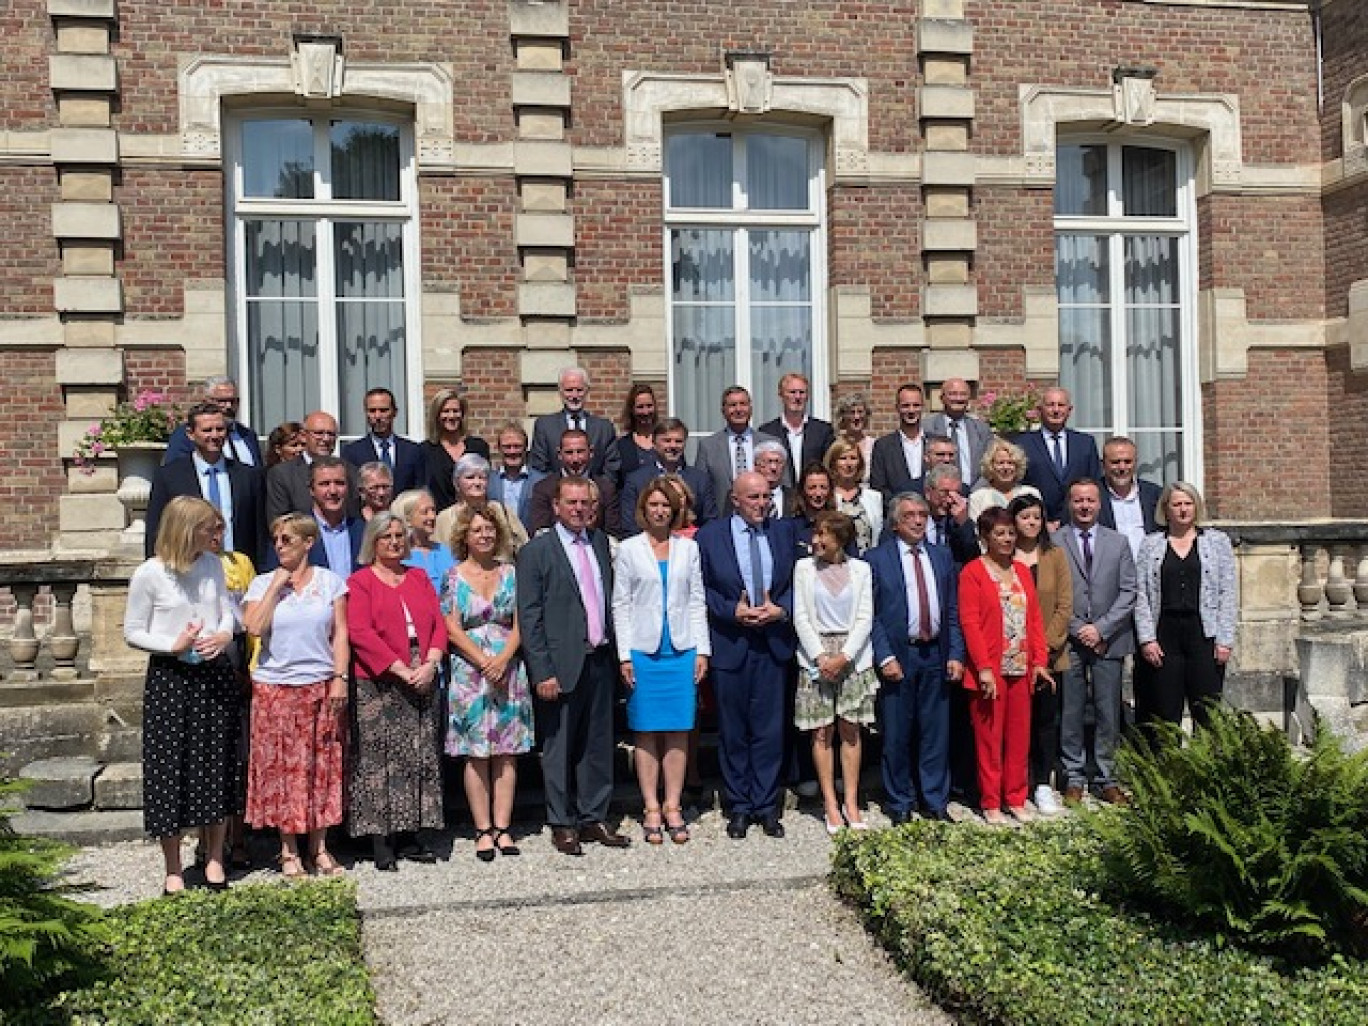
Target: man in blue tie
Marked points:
380	444
1057	454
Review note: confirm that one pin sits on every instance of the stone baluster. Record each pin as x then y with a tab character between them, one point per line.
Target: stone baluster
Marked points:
1338	590
62	639
1309	590
23	644
1361	581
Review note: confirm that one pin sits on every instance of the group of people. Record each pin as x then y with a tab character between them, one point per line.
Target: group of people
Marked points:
973	598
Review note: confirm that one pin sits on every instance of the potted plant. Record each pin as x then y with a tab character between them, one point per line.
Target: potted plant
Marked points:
136	432
1009	414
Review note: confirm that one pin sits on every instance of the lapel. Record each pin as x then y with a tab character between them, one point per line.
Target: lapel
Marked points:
1070	540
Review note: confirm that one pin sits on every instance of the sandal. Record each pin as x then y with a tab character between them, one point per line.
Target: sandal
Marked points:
679	832
485	854
505	849
652	834
291	867
325	865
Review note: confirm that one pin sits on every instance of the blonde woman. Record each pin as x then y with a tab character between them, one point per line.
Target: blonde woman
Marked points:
1003	468
852	425
862	504
446	443
419	512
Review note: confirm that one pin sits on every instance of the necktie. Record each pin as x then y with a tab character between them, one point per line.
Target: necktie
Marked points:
215	495
1087	553
941	533
923	597
1058	452
593	608
385	456
757	568
741	464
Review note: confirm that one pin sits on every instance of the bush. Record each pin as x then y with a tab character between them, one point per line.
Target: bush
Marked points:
47	940
1235	830
258	954
1021	928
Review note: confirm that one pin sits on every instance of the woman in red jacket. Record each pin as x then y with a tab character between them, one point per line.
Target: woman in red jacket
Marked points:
1005	638
398	641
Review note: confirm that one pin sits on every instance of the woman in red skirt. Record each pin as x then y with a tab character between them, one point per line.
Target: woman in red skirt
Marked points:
299	691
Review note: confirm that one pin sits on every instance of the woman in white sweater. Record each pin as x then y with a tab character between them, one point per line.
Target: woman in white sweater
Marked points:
179	610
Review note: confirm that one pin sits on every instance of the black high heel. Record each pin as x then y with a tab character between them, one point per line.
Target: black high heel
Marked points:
485	854
384	854
505	849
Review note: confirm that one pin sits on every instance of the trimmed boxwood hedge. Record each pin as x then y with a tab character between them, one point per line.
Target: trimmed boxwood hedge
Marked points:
258	954
1019	928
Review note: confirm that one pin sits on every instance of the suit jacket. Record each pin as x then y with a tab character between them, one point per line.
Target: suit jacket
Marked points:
818	436
974	433
981	616
551	617
1217	601
723	584
960	539
287	490
888	471
1149	502
524	507
546	435
541	512
250	526
318	555
410	466
641	605
704	506
1081	461
440	467
1054	589
891	615
858	647
1105	597
715	459
179	443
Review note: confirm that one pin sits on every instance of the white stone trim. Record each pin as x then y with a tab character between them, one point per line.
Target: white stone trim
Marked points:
649	95
1227	334
1256	5
1354	127
206	80
1036	331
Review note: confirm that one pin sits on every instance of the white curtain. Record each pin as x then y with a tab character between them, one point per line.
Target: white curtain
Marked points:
365	160
1081	275
776	172
700	170
282	320
1147	182
780	313
1081	180
1154	370
703	303
370	316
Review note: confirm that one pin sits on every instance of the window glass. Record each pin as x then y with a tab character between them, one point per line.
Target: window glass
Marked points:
277	159
700	170
1149	182
1081	180
365	160
777	172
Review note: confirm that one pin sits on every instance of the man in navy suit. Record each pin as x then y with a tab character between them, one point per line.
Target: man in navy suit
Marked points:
919	649
511	480
380	444
241	444
1128	503
339	536
1057	454
670	436
898	459
237	491
807	438
748	580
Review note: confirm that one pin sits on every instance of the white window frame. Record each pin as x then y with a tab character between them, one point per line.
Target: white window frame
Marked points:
741	221
323	212
1115	226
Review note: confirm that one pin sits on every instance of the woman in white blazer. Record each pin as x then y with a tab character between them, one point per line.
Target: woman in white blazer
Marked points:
661	621
833	615
852	496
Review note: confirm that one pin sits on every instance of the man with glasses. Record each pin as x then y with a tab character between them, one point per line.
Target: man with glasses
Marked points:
287	484
241	445
380	444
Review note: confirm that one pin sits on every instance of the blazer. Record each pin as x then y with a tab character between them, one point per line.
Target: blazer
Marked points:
551	617
858	647
524	507
1081	461
376	625
546	435
541	512
1217	600
974	432
872	502
891	615
1054	590
795	532
440	467
640	604
1106	598
1149	502
960	539
287	490
818	436
980	610
318	554
179	443
410	465
715	459
888	467
723	584
250	526
704	506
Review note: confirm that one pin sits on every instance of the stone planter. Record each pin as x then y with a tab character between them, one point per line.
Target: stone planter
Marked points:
138	462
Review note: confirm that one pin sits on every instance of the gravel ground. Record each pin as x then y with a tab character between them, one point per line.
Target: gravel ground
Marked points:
712	931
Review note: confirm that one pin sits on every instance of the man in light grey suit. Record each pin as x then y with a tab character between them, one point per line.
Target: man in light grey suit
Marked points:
565	583
970	435
1101	635
729	452
573	385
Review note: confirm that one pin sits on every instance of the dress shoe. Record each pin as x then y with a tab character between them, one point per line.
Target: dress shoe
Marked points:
1073	795
771	826
737	826
939	816
1113	795
566	840
598	833
416	851
899	816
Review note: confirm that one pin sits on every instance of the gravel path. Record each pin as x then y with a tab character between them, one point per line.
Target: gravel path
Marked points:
714	931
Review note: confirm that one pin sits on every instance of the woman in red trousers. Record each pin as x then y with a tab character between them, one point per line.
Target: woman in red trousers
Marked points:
1005	638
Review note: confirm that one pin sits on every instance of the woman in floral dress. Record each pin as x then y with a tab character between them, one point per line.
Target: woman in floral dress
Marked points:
489	704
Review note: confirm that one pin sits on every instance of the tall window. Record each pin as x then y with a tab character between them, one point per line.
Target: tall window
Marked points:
323	252
1124	269
743	232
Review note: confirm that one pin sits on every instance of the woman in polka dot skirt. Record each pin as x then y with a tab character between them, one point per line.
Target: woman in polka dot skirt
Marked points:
179	610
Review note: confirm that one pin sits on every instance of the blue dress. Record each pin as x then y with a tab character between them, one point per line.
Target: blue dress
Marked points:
435	562
665	697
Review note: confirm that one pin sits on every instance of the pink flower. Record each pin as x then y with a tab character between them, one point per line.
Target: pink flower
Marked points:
93	431
1032	415
97	448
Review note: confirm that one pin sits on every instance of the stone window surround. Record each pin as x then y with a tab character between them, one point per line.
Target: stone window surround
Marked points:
1354	126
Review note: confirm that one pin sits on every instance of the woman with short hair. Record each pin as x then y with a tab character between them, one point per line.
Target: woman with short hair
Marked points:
1003	468
419	511
285	442
852	425
471	478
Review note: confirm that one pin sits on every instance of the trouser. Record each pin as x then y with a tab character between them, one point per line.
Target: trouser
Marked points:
1090	676
750	727
577	745
914	719
1189	674
1002	738
1044	736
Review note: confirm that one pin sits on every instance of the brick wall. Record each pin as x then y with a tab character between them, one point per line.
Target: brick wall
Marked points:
618	243
874	239
33	478
1344	41
467	232
26	101
610	375
1015	247
173	230
163	370
492	379
1347	422
1346	245
32	259
1271	246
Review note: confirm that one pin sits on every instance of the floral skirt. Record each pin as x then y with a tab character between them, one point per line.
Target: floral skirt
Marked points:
820	702
396	769
294	775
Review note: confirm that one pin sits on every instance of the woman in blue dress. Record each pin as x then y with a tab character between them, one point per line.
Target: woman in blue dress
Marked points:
661	621
418	510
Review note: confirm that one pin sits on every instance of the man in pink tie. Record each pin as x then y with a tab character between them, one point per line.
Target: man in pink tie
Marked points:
565	581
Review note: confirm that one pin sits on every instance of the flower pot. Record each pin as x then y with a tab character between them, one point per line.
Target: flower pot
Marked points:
138	463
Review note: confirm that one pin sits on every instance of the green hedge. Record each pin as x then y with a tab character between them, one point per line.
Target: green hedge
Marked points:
1021	928
258	954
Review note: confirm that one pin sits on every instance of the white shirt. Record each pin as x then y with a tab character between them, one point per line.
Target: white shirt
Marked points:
795	442
225	503
914	611
1130	518
298	649
235	448
912	453
161	603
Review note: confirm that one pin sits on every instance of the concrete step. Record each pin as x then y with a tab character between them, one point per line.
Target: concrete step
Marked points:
89	827
60	784
119	786
106	732
19	693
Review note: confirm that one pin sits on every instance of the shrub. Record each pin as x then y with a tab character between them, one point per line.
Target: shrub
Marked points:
1021	928
1235	830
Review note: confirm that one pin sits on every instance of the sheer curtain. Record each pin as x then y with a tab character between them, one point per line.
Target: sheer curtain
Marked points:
1154	368
282	320
703	302
700	166
370	316
780	313
365	160
1085	346
776	172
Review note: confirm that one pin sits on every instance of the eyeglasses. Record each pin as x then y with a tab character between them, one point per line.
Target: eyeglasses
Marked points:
321	434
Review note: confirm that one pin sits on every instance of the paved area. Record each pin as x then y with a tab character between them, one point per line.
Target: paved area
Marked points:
714	931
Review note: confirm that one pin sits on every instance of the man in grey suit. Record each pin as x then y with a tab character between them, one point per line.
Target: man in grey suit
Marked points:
725	454
573	385
565	583
970	435
287	484
1101	635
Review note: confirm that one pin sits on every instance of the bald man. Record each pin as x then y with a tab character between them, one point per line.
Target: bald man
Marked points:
970	435
287	484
